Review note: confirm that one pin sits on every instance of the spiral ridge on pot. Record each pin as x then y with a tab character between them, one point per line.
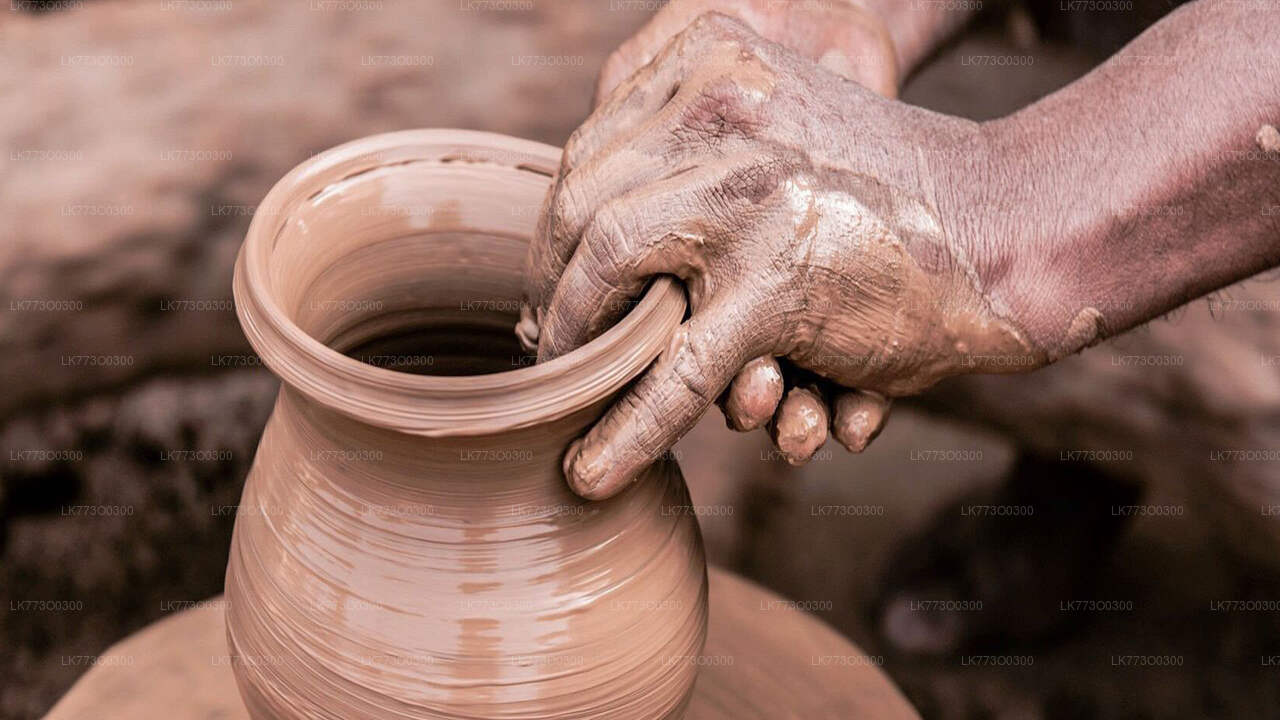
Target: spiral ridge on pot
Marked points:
374	580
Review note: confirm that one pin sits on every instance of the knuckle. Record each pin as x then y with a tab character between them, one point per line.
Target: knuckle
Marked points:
612	229
757	181
568	208
723	108
695	371
707	28
717	25
617	65
574	148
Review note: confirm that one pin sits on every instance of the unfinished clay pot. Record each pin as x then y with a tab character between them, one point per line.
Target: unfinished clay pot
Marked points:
406	545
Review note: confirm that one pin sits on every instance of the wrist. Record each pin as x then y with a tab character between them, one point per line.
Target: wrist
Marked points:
1035	232
999	294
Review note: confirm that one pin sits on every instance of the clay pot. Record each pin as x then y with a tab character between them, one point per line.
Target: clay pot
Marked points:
406	546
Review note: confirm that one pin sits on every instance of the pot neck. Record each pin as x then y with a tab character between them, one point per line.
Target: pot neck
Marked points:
371	237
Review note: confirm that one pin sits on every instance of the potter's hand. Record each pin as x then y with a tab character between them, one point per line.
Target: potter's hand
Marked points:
804	215
852	38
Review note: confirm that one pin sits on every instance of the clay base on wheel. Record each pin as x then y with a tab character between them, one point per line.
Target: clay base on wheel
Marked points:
762	660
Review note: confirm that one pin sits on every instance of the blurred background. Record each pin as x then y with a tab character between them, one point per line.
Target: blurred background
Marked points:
1096	540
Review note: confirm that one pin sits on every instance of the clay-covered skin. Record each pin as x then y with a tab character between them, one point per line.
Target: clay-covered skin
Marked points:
806	216
754	394
875	43
857	417
800	427
885	247
406	546
853	38
1110	209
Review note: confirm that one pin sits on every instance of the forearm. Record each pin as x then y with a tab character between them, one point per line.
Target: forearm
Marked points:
1151	181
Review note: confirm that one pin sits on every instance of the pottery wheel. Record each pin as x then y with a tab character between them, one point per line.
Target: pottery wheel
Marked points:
762	660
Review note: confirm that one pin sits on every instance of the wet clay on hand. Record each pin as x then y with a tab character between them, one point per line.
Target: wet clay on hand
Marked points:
807	219
847	37
800	427
406	545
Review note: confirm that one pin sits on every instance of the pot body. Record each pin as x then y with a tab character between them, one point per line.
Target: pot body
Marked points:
406	546
377	574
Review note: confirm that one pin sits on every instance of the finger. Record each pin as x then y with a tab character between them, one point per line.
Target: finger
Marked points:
858	417
664	403
618	149
651	40
666	227
843	37
573	205
634	98
754	394
527	328
637	160
581	186
799	427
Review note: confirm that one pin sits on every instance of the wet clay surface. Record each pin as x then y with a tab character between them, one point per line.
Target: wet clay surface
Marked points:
406	543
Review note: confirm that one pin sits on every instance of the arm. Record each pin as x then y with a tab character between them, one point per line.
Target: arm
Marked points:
883	247
1151	181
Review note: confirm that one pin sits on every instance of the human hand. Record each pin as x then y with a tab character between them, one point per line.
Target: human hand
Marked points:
844	36
809	219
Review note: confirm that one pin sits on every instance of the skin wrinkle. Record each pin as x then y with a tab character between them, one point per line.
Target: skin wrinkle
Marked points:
693	369
870	296
1183	187
969	247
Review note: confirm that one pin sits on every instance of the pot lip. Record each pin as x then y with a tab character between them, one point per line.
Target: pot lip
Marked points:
435	406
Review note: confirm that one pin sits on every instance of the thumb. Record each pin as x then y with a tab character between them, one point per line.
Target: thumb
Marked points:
701	359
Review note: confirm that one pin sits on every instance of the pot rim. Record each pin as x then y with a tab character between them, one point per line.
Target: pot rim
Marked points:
435	406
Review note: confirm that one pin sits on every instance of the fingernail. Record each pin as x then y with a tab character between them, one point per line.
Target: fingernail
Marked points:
527	328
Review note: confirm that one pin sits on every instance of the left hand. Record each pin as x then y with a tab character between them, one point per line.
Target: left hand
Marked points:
843	36
801	212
